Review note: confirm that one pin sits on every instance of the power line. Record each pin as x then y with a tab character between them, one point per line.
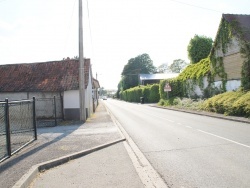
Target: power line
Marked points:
90	32
69	26
192	5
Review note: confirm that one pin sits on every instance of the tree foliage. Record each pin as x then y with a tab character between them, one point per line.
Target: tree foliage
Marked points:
178	65
142	64
162	68
149	92
199	48
102	91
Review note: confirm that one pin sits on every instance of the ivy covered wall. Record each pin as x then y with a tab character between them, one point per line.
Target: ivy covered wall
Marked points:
230	55
193	78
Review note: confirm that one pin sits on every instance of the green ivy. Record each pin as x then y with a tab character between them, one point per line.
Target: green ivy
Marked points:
224	37
245	71
196	72
186	81
177	89
218	69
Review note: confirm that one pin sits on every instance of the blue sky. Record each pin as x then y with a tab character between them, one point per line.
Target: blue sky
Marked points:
114	30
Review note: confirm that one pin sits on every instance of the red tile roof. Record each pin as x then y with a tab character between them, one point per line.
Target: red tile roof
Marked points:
47	76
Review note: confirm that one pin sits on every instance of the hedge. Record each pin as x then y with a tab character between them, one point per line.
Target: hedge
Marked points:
177	88
149	92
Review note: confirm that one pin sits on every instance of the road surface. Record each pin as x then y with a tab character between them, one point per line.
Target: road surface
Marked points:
188	150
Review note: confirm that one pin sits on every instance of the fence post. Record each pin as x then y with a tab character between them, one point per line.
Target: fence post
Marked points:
34	117
55	110
7	124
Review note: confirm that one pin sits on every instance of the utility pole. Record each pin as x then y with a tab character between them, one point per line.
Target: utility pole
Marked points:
81	68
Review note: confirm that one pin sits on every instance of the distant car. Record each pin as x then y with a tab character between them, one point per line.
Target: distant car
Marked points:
104	98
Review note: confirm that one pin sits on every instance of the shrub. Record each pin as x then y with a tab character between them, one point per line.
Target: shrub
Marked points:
161	102
164	102
177	101
149	92
219	102
229	103
187	103
241	106
146	93
154	95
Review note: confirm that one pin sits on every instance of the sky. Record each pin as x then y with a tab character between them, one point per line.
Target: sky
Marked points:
114	31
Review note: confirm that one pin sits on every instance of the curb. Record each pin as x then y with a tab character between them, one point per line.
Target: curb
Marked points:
206	114
27	178
147	174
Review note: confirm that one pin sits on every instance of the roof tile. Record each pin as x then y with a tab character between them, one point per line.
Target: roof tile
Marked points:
46	76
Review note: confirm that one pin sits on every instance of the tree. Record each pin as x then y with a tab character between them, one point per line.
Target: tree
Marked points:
199	48
178	65
102	91
142	64
162	68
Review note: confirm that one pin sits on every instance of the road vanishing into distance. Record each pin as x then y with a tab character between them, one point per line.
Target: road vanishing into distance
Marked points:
188	150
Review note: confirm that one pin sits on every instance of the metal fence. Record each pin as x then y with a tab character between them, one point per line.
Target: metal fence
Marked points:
48	110
17	126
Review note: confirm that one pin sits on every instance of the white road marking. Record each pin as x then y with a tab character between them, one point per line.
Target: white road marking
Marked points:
169	120
224	138
189	127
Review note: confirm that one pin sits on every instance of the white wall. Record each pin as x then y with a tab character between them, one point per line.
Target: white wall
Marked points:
27	95
72	103
233	85
44	102
197	90
218	84
71	99
230	85
13	96
43	94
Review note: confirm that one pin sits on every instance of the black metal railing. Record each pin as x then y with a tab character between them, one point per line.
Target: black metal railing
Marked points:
17	126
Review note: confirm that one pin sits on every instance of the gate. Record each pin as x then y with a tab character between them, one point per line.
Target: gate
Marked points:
17	126
48	110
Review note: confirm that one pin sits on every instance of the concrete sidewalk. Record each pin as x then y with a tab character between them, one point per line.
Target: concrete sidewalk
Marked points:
96	146
109	167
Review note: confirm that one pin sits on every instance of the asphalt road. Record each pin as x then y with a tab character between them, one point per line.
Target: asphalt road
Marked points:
188	150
